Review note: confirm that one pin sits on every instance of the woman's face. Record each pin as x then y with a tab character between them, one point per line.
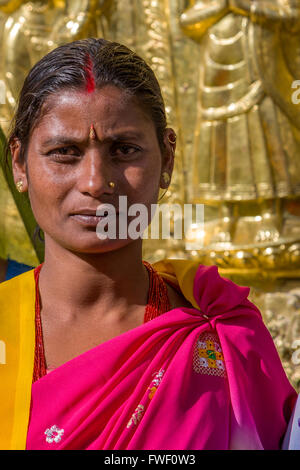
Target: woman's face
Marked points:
67	171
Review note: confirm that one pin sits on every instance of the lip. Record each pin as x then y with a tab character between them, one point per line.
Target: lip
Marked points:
87	212
91	220
88	217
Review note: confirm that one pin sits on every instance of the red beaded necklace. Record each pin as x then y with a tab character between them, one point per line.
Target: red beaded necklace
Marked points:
158	303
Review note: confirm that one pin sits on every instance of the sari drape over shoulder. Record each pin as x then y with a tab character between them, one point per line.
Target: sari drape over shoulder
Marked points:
207	377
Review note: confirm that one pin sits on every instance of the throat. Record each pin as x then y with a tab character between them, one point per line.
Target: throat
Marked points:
58	341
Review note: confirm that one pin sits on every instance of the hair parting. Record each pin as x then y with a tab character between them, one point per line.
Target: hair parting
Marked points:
90	78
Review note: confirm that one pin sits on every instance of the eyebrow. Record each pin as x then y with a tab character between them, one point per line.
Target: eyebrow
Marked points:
63	140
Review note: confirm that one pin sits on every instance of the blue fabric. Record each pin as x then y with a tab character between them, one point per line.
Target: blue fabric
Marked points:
292	437
14	269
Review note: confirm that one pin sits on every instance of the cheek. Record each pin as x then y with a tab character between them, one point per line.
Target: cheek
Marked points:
144	181
45	187
48	176
42	171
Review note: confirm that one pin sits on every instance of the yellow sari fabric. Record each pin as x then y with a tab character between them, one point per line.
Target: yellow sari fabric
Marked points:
17	332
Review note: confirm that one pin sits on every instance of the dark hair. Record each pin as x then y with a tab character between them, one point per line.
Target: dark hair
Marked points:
87	63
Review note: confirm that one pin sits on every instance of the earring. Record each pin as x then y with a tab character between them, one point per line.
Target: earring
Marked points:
111	184
19	186
166	177
172	141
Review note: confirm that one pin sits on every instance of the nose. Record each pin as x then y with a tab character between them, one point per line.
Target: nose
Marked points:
95	173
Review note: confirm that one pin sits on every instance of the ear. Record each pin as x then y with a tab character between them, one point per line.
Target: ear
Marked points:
168	158
18	164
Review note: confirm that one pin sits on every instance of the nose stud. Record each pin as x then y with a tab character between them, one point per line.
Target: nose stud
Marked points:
111	184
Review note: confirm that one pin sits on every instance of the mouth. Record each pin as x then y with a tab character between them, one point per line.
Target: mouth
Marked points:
89	217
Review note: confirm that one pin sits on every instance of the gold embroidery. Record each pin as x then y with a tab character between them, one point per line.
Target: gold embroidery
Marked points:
155	383
208	357
136	416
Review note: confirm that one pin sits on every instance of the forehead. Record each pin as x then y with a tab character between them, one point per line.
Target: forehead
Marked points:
108	108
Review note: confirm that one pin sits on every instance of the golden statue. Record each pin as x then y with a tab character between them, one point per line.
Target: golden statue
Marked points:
245	161
247	137
28	30
33	29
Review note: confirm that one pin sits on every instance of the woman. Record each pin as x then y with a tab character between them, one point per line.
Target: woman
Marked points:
103	352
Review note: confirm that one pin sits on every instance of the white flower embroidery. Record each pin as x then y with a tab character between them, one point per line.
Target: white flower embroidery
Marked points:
220	365
53	434
217	347
203	362
158	378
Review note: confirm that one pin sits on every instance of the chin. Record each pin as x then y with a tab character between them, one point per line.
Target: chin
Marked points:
98	246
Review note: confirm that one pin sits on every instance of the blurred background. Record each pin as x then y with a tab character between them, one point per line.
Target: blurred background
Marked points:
230	76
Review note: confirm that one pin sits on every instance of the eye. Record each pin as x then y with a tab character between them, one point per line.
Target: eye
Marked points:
65	154
122	150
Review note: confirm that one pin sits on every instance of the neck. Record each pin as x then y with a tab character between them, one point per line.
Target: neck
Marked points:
84	283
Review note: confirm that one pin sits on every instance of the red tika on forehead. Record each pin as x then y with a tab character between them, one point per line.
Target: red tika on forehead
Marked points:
90	79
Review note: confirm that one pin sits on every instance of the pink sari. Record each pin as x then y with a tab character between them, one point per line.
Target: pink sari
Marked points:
189	379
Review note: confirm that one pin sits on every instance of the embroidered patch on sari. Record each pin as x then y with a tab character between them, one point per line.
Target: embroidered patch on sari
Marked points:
208	358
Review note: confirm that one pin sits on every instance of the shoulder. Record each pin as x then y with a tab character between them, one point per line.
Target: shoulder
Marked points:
13	289
17	280
176	297
203	287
